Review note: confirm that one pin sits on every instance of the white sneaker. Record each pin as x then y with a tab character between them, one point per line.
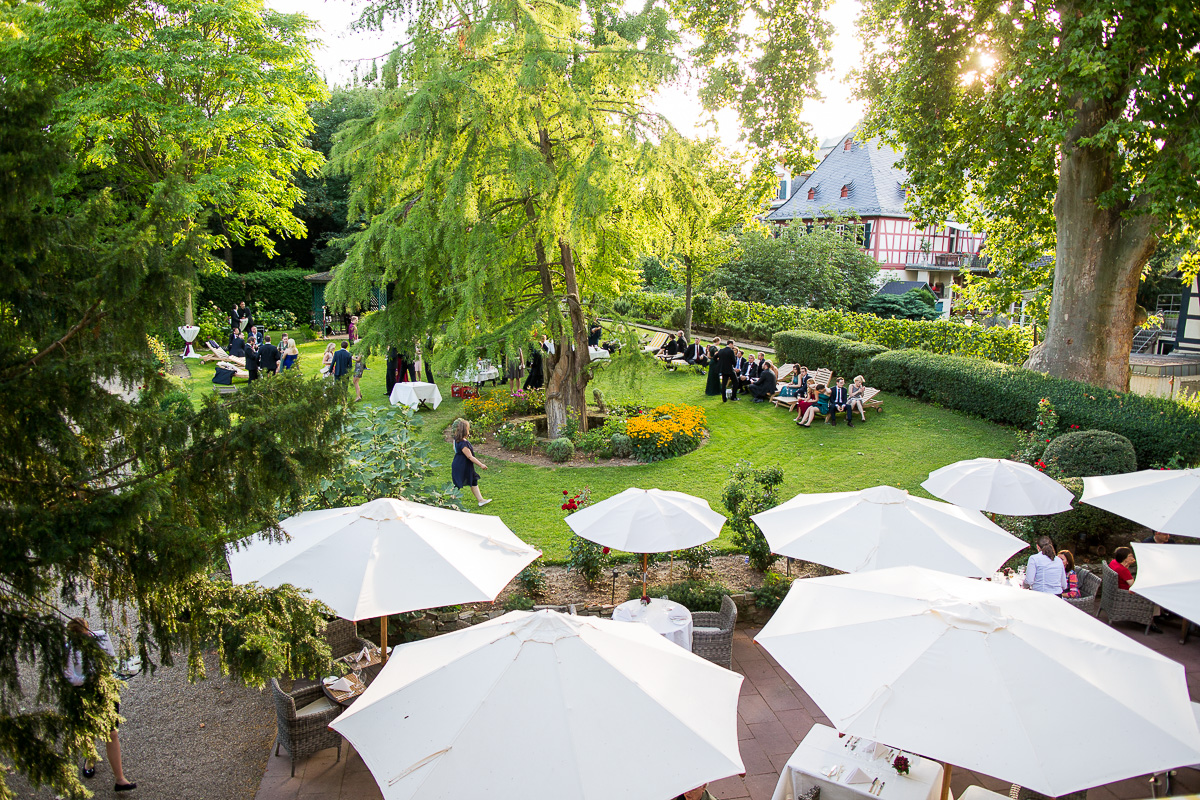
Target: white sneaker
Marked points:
483	503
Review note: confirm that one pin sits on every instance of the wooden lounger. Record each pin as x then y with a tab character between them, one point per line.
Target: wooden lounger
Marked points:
219	354
871	401
656	341
816	376
238	371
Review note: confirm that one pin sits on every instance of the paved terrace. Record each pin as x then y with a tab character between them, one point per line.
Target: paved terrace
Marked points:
774	714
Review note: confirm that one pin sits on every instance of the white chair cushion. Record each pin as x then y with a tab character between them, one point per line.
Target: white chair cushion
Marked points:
315	707
706	630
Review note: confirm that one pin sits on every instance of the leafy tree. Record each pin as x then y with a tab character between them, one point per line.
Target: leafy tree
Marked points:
205	102
701	201
501	180
1066	126
904	306
821	269
111	492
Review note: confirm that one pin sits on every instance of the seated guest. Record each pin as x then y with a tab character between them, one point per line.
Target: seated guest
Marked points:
747	372
699	793
668	349
695	353
1121	562
807	408
764	385
839	400
257	335
793	387
1045	572
858	394
681	342
1157	538
1068	560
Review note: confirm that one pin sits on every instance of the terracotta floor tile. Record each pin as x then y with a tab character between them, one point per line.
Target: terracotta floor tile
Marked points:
761	787
780	698
797	723
773	737
754	709
755	758
729	789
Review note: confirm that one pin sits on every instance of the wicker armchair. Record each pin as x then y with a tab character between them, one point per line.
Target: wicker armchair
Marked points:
303	735
342	637
1121	605
712	633
1089	588
1021	793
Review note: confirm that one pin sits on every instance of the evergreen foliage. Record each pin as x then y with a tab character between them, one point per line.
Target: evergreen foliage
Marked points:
282	289
909	305
1086	453
819	350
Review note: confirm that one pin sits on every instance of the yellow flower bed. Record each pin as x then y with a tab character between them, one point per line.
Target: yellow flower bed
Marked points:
667	430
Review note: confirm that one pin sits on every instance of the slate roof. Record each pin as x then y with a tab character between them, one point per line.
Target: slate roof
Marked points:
901	287
319	277
868	168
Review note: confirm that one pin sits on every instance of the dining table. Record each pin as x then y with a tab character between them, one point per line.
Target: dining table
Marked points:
478	373
416	393
668	619
365	665
852	768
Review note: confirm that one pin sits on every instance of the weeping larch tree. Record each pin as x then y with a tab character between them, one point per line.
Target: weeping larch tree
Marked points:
1069	127
503	178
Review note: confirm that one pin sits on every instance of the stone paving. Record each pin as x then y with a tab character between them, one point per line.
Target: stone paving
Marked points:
774	714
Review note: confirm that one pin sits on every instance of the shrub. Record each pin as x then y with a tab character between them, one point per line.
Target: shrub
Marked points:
1156	427
817	350
525	402
520	437
1080	453
213	324
1031	444
272	319
560	449
594	441
489	410
905	306
775	587
1083	527
666	431
587	559
622	445
532	579
518	602
692	595
697	559
747	492
271	290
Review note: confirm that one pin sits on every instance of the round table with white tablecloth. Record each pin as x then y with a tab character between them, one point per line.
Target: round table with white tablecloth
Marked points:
412	394
668	619
480	372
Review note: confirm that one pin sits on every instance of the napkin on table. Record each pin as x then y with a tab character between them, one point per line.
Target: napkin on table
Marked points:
881	750
341	685
858	776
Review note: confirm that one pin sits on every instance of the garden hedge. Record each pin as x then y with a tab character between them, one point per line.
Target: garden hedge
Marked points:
282	289
760	322
1083	453
816	350
1157	427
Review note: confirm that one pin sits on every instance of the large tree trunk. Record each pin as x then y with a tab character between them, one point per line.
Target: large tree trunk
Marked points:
1099	256
568	375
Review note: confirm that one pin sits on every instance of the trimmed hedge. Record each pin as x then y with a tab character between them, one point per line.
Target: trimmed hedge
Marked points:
816	350
1084	453
282	289
1158	428
760	322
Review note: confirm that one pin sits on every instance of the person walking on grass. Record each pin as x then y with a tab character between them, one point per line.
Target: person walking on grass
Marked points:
76	675
462	469
342	360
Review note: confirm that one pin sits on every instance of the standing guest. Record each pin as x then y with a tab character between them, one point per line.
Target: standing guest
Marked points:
352	330
268	357
809	404
237	345
390	370
514	370
1068	560
594	333
858	395
839	401
243	316
76	676
360	364
726	358
406	369
257	335
235	319
761	361
712	386
327	360
536	378
1121	562
462	469
290	355
1045	571
427	359
547	345
764	385
252	358
342	361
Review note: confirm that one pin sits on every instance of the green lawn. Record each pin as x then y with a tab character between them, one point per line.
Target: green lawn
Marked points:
899	446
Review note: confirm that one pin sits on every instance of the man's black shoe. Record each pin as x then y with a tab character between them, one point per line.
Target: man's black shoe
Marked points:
1154	628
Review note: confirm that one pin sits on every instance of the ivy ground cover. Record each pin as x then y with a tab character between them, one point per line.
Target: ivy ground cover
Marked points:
900	446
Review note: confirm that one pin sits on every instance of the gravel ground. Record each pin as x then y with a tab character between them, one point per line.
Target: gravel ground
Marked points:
208	740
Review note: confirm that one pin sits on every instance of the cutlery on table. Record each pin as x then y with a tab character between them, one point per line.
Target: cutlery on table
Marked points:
879	791
872	789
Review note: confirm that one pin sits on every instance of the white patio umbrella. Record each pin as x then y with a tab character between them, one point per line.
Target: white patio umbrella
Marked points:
1169	574
387	557
981	676
546	705
999	486
1167	500
648	521
885	527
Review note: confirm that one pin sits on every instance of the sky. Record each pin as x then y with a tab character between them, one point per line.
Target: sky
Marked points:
342	50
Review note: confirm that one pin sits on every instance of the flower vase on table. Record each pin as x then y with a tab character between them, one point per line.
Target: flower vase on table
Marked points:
901	765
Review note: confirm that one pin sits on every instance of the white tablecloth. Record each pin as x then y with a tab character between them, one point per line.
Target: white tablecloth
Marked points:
483	371
822	749
980	793
666	618
598	353
411	394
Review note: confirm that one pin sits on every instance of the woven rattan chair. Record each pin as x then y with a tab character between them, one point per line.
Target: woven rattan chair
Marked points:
1089	588
1021	793
304	734
712	633
1122	605
342	637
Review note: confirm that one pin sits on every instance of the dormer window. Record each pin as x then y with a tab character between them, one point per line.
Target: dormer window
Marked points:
849	143
846	190
812	194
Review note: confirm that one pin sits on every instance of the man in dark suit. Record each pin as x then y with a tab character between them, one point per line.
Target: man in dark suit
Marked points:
696	354
237	345
747	373
268	357
252	358
725	360
342	361
838	402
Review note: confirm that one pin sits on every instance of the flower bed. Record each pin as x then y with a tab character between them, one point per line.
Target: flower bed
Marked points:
666	431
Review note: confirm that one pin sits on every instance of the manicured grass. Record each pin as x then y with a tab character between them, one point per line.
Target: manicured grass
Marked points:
899	446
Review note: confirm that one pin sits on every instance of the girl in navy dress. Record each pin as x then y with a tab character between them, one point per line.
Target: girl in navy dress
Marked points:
462	469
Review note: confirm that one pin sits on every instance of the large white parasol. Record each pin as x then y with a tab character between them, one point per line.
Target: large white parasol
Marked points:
1167	500
999	486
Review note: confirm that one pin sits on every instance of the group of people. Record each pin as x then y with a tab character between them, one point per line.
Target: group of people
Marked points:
260	355
730	371
839	398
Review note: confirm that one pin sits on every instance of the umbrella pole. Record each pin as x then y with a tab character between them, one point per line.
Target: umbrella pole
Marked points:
383	639
946	770
645	567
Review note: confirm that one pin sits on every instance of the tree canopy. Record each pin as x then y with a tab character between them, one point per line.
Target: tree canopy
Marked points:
1065	127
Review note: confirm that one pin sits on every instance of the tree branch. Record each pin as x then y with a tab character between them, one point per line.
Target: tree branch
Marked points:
61	343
